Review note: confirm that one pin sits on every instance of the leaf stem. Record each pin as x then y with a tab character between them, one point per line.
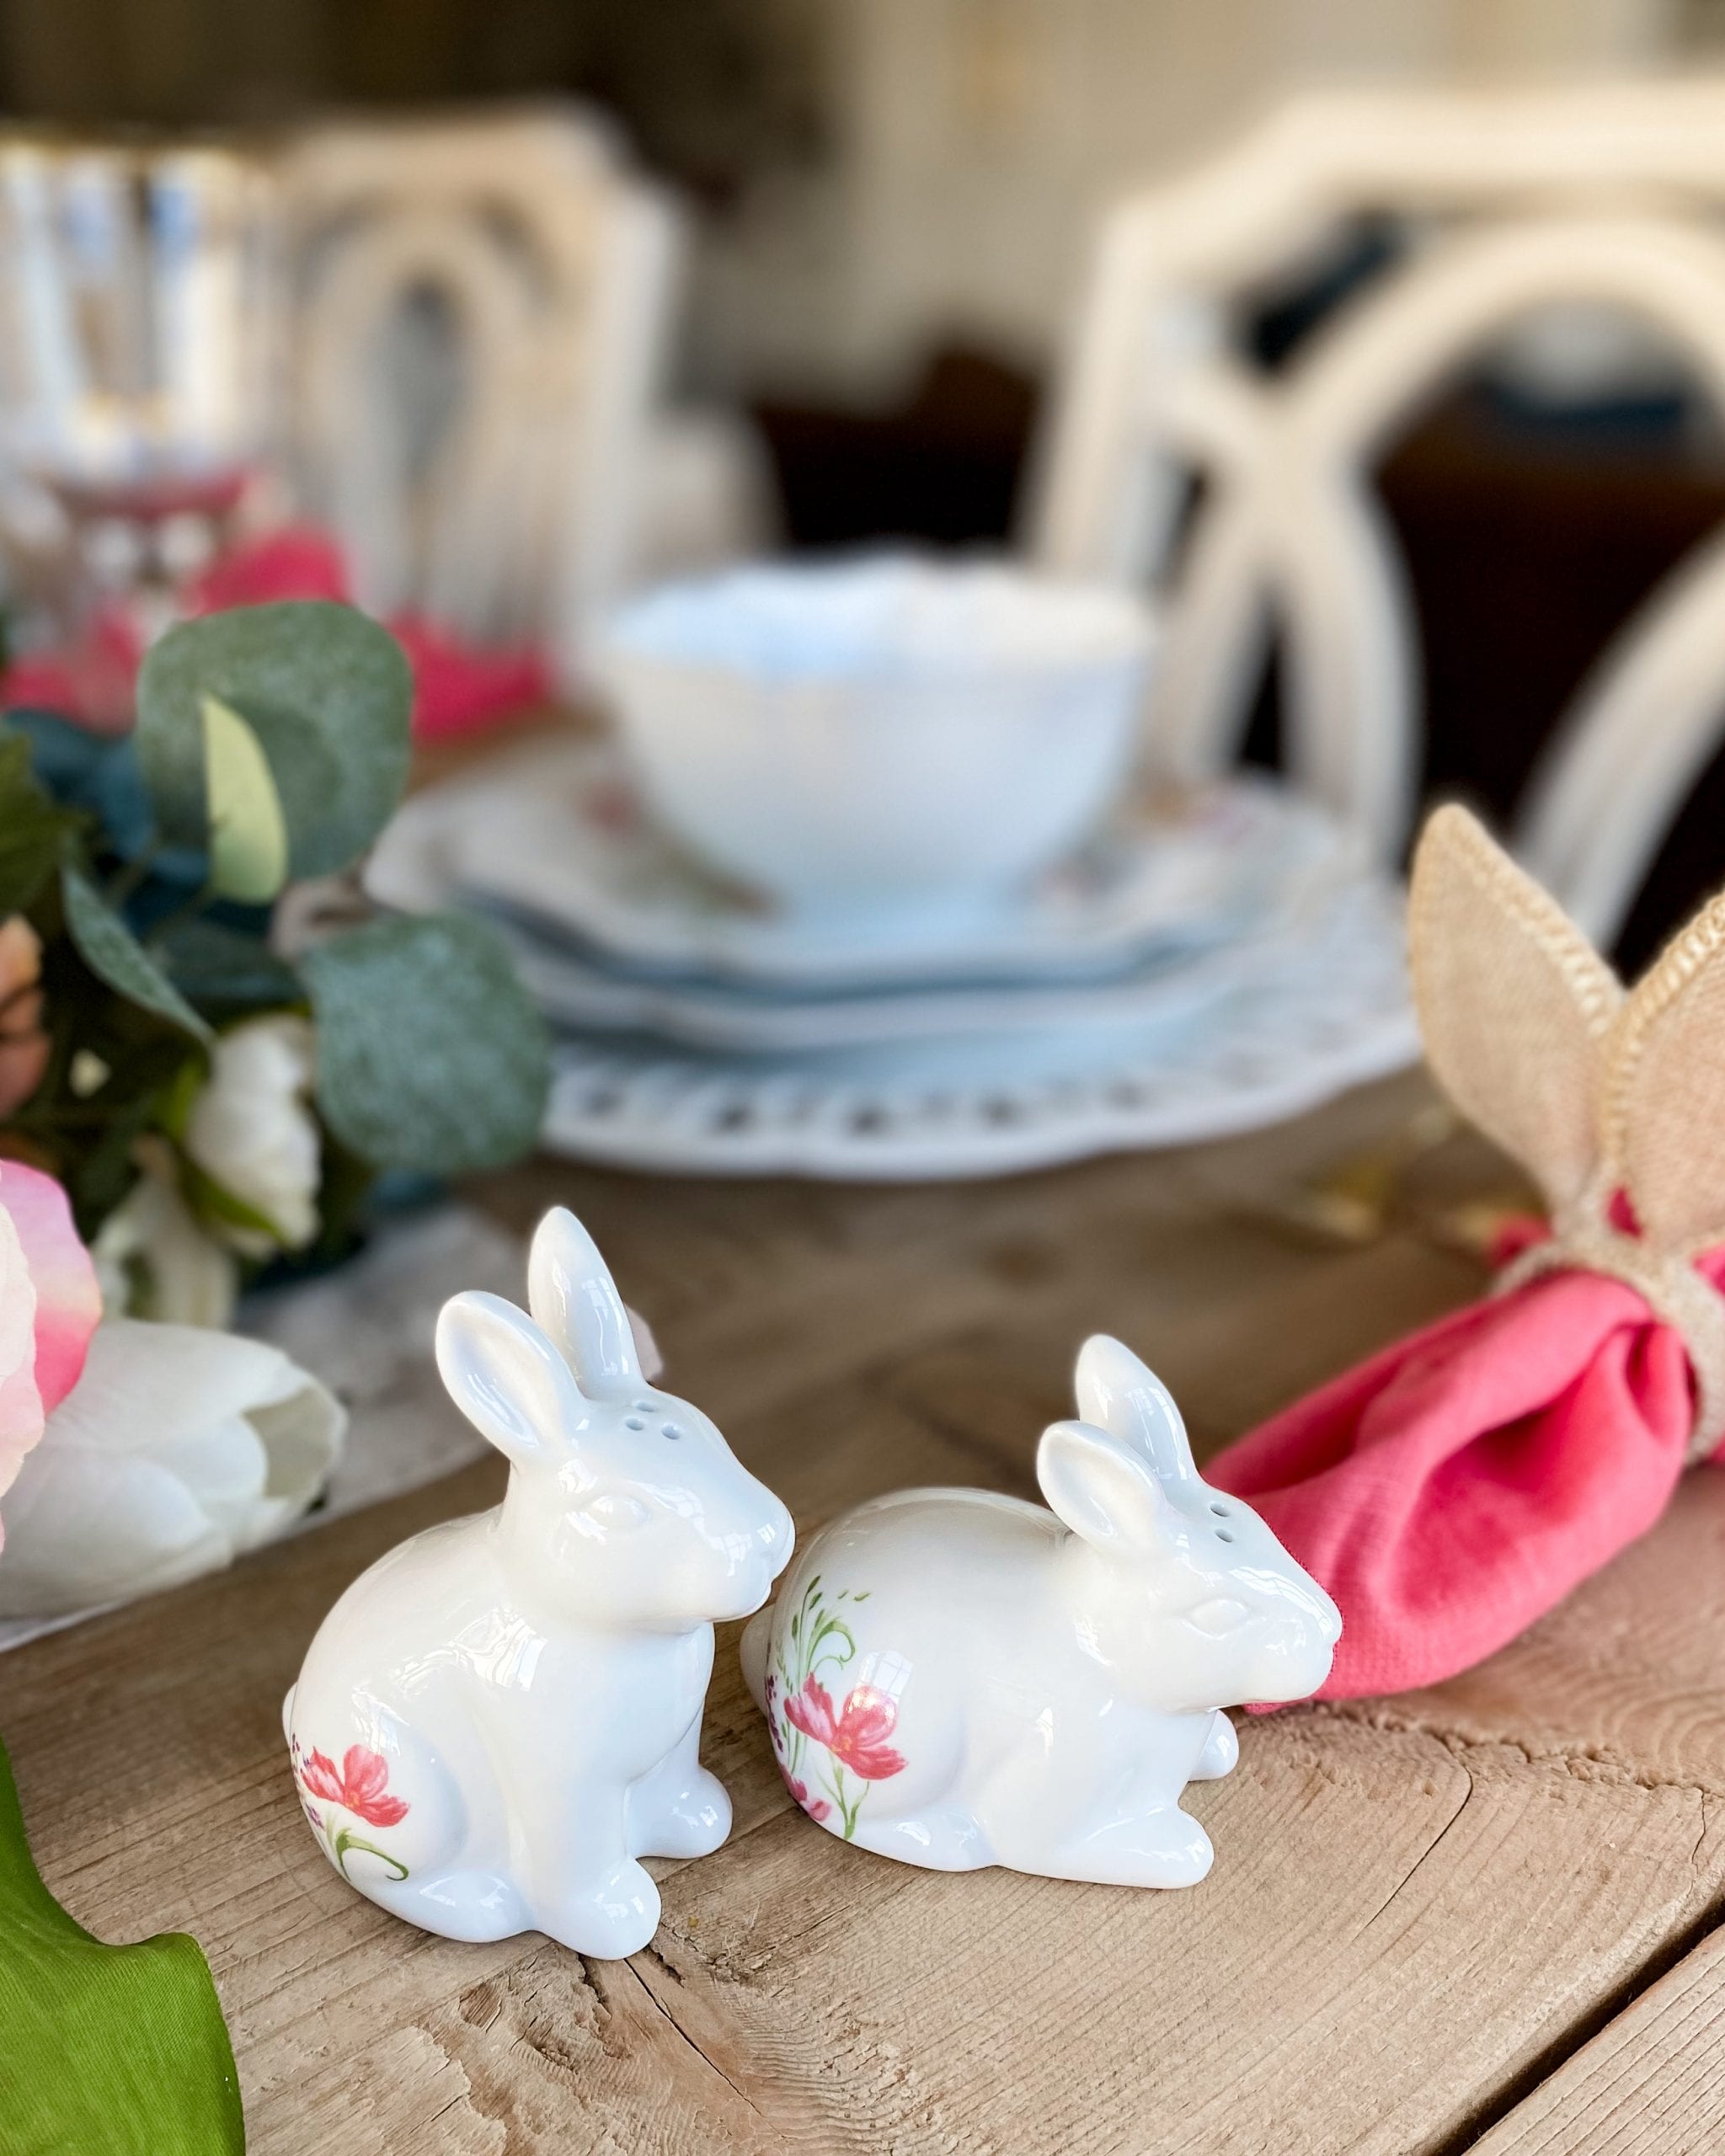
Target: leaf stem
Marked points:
127	880
189	910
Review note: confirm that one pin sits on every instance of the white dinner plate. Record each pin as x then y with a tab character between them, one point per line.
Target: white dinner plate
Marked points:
556	837
1323	1011
578	993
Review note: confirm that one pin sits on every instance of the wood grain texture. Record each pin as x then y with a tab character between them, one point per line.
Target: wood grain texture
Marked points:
1420	1907
1650	2084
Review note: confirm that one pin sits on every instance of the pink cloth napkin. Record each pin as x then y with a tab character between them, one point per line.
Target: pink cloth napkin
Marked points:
458	687
1458	1485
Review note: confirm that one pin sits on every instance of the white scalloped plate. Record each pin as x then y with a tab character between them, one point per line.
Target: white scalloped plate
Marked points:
556	836
585	995
1328	1010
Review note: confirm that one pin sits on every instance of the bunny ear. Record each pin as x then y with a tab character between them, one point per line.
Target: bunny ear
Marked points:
1665	1117
1105	1491
1125	1397
570	1293
1513	1003
506	1376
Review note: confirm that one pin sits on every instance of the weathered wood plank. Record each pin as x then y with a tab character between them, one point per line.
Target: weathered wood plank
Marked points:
1418	1905
1651	2084
1394	1932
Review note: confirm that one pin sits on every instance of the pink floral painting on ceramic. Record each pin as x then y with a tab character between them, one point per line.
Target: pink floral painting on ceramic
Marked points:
359	1785
800	1714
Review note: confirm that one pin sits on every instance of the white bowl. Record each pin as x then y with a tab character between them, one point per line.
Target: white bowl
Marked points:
892	737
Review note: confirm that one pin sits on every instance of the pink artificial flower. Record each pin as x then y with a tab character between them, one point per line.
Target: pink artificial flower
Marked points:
49	1304
856	1734
24	1046
458	687
817	1807
359	1786
90	683
294	561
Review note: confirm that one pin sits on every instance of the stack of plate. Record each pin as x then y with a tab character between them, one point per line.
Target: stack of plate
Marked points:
1207	963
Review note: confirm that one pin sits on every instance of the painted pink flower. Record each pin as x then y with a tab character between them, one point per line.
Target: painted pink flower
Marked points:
817	1807
50	1305
856	1734
359	1786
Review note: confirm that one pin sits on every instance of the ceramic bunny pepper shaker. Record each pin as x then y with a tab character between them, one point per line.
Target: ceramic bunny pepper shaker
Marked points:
958	1678
499	1718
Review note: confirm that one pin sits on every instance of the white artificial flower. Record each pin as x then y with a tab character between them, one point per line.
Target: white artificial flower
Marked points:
252	1131
152	1258
177	1449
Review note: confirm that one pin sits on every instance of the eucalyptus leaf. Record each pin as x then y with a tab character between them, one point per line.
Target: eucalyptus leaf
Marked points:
326	694
34	830
99	775
222	969
429	1054
115	955
119	2048
248	831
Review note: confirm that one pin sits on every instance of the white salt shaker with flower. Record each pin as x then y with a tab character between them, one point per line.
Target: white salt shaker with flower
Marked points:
499	1719
958	1678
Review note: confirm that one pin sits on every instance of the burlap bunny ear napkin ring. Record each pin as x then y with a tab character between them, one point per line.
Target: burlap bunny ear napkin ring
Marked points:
1605	1098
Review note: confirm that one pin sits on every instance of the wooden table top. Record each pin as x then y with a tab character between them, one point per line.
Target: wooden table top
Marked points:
1483	1909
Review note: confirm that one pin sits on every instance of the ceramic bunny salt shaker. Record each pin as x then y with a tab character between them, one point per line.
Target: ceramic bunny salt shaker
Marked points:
958	1678
502	1715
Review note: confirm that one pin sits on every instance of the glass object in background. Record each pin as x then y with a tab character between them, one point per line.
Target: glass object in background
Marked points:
138	373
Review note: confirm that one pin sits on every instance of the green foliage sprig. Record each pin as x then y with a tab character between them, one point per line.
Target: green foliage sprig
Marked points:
271	745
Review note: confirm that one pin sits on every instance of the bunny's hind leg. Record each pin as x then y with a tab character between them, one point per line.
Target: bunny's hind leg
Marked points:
943	1837
1165	1847
473	1906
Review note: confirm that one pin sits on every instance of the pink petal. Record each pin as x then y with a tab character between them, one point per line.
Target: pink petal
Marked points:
68	1301
319	1776
810	1710
297	561
868	1715
459	687
21	1417
876	1764
365	1774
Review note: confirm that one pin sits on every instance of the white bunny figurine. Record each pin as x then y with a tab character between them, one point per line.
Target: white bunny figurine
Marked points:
503	1715
958	1678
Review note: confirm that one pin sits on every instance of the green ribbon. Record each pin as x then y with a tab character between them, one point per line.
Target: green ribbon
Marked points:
108	2051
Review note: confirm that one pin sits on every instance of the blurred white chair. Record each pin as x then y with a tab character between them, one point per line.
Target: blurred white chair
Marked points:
707	494
1511	205
482	307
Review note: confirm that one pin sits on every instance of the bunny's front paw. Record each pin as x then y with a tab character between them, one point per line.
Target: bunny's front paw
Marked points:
687	1815
1222	1751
